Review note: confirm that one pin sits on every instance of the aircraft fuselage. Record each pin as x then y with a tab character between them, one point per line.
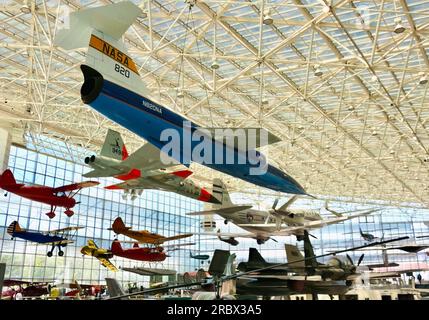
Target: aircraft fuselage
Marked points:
42	194
149	120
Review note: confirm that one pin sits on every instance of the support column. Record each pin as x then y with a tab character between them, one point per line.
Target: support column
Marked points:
5	143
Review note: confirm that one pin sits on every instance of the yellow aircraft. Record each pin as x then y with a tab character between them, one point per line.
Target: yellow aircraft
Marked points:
143	236
101	254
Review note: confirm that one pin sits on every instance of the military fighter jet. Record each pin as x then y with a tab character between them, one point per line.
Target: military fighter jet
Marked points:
141	170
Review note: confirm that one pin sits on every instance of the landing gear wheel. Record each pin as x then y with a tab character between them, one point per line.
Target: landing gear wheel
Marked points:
50	214
69	213
49	254
61	253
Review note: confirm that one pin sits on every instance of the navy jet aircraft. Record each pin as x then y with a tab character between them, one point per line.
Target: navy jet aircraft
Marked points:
141	170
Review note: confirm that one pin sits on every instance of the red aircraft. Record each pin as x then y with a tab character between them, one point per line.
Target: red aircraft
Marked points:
151	254
139	253
55	197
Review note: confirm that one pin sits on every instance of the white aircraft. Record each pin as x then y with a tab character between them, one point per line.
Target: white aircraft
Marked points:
262	225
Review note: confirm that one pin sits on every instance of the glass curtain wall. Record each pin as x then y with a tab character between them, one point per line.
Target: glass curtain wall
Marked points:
165	213
157	211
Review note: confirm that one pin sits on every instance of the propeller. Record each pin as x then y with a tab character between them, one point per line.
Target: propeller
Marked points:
312	236
274	240
360	259
273	212
275	204
350	259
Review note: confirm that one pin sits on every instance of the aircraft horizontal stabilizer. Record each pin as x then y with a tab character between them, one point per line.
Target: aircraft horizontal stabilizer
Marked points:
112	20
227	210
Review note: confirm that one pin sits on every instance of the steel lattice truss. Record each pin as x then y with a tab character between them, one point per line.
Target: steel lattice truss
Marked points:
343	90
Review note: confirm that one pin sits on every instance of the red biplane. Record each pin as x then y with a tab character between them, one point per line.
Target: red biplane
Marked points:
150	254
55	197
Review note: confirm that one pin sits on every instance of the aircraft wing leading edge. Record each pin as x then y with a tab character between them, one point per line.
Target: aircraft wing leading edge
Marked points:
105	262
148	158
220	211
311	224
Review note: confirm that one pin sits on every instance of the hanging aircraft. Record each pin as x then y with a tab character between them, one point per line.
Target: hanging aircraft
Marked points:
143	236
59	238
112	86
221	272
337	267
150	254
55	197
150	271
367	236
262	225
141	170
91	249
199	256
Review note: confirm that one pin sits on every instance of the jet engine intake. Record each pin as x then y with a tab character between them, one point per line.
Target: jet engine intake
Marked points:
92	85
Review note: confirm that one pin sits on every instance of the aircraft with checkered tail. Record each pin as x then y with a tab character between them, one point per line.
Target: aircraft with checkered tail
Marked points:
112	86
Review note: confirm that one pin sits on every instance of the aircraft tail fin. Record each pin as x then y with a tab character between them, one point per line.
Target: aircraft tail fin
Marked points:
255	256
293	254
335	213
114	288
309	252
101	29
92	244
220	192
114	146
7	179
14	227
118	226
230	267
116	247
